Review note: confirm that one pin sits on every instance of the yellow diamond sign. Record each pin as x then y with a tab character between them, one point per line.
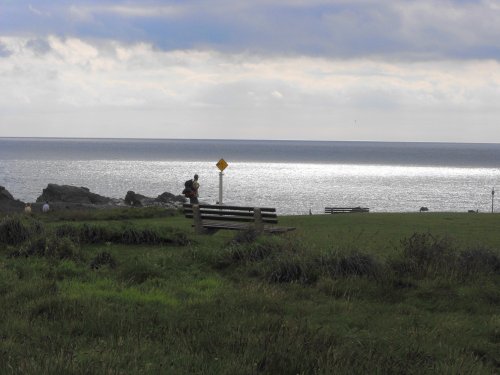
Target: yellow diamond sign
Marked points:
221	164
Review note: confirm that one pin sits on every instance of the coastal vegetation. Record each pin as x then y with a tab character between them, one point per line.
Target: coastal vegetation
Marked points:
136	291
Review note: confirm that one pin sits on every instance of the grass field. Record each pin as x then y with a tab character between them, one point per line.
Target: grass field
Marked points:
136	292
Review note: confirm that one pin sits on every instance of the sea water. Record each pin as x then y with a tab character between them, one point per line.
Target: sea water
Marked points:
293	176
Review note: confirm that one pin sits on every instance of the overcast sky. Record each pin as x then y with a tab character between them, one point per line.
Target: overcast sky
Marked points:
386	70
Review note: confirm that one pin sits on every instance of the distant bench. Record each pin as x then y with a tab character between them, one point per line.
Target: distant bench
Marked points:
211	218
345	210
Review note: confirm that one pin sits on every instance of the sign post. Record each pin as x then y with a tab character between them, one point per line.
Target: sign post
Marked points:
221	164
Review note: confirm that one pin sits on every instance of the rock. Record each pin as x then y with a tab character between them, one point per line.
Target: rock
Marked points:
8	203
4	194
72	197
424	209
169	198
134	199
71	194
163	200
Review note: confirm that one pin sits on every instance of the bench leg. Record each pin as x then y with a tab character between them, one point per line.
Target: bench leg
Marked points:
259	223
198	225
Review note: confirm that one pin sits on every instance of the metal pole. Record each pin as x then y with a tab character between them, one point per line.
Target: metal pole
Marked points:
492	198
220	188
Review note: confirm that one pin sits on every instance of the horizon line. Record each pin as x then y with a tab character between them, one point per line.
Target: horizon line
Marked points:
240	139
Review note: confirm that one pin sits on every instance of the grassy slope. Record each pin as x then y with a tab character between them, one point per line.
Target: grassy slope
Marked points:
174	309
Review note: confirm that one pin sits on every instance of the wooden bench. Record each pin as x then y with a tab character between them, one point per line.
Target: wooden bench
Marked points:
345	210
211	218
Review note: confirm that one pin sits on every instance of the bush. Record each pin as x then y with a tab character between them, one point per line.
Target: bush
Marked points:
49	247
354	264
112	214
69	231
15	230
134	236
289	270
237	253
93	234
426	255
245	236
478	260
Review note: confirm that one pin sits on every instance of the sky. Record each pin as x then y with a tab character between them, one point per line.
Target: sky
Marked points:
386	70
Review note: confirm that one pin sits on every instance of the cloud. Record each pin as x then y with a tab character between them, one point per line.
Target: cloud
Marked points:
396	30
276	94
4	52
39	46
88	12
85	87
38	12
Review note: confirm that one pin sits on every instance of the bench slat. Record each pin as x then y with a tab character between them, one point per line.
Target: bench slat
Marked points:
212	206
204	212
233	218
346	208
340	210
239	226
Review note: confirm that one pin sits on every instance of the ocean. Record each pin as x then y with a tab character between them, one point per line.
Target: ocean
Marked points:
293	176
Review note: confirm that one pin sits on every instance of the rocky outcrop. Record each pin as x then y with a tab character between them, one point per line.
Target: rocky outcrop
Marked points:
71	194
62	197
169	197
8	203
166	199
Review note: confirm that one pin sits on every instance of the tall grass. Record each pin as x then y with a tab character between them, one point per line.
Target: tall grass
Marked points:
421	255
426	255
95	234
16	229
50	247
125	213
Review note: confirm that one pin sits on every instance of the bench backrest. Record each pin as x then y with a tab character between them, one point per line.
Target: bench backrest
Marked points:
232	213
334	210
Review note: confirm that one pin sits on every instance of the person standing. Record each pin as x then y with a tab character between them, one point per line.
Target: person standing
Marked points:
27	208
45	207
193	199
191	189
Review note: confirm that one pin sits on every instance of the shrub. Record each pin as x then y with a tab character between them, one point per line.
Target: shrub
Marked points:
145	236
478	260
69	231
93	234
103	259
354	264
425	255
245	236
253	253
263	247
14	230
49	247
179	239
119	213
288	270
237	253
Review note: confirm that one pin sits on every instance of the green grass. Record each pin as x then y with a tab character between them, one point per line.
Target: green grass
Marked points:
382	232
343	294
